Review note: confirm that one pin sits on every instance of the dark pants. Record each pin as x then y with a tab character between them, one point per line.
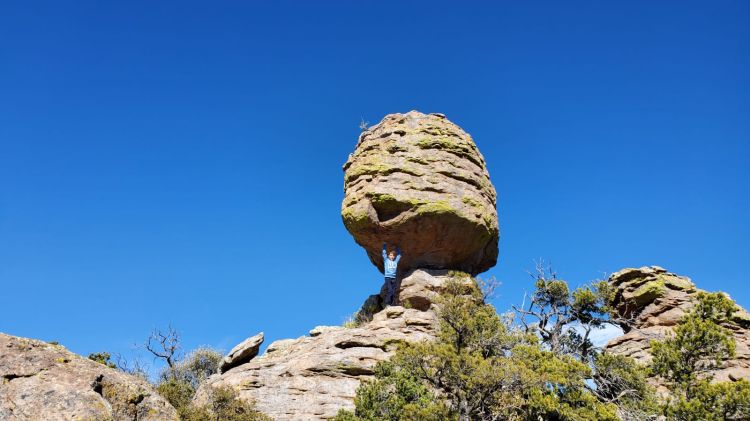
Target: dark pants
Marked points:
390	291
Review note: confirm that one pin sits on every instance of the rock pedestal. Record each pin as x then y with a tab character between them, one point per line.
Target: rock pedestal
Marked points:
419	181
414	180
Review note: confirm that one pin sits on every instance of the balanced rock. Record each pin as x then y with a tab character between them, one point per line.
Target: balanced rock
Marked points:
312	377
419	181
43	381
242	353
651	302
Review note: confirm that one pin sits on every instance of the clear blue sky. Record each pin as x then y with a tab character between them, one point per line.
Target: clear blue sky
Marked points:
180	162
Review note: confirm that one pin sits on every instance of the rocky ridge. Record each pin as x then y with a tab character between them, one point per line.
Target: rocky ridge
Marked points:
43	381
419	181
651	302
314	376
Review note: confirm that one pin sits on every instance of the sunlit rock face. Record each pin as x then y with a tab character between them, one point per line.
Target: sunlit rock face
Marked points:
651	302
314	376
419	181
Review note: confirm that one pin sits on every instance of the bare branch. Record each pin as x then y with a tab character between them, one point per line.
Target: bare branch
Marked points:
164	345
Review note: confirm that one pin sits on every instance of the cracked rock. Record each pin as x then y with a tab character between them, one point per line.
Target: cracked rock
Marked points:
43	381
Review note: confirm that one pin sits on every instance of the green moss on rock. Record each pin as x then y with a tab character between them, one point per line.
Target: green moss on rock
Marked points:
648	292
438	207
678	283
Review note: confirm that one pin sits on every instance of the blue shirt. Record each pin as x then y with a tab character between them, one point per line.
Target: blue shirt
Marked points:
389	266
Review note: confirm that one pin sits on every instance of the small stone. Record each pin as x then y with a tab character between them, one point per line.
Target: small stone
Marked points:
318	330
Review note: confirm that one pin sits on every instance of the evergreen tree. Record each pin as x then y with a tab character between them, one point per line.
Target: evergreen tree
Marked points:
684	361
481	368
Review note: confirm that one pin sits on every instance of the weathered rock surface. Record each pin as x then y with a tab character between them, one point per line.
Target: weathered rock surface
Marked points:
418	180
42	381
242	353
312	377
652	301
421	287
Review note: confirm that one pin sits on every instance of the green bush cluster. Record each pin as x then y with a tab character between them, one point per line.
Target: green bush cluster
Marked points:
484	367
480	367
179	383
700	344
103	358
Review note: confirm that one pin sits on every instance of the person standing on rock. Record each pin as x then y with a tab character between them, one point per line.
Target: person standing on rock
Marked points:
390	264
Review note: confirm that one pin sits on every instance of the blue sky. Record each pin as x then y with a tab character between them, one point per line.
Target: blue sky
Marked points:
180	162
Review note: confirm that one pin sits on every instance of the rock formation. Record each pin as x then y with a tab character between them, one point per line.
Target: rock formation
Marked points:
242	353
418	180
43	381
652	301
314	376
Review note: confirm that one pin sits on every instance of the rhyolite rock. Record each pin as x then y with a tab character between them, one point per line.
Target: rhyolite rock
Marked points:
312	377
242	353
419	181
43	381
651	301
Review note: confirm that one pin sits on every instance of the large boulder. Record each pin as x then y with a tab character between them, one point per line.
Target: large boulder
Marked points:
419	181
312	377
650	303
43	381
242	352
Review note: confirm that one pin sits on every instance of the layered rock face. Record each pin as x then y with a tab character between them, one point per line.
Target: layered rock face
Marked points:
42	381
419	181
312	377
652	301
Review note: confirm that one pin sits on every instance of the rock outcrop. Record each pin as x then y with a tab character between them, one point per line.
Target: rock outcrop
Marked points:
418	180
651	302
312	377
43	381
242	353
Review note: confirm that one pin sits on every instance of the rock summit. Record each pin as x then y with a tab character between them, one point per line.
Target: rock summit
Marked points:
419	181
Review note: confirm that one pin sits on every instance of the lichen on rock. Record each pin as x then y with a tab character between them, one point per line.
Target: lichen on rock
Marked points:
313	377
650	302
419	181
44	381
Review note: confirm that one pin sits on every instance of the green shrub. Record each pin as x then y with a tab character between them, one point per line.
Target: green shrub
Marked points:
224	404
481	368
178	393
684	360
102	358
